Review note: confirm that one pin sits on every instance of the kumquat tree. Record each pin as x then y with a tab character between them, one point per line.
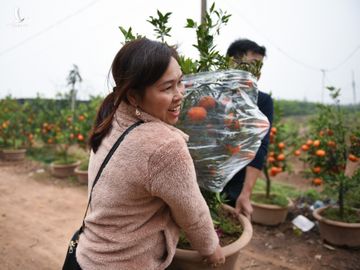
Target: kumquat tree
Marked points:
334	143
282	143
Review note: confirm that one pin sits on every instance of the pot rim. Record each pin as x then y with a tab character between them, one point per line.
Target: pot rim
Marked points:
242	241
77	170
317	215
75	163
11	151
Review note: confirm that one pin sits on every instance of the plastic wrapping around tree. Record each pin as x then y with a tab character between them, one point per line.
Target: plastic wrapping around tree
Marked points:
225	126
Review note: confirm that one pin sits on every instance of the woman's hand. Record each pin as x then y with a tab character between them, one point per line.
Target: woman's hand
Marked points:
216	259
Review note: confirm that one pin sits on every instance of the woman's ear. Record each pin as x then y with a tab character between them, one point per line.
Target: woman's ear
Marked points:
132	98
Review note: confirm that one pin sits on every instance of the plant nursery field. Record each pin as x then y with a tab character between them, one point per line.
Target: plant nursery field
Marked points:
38	214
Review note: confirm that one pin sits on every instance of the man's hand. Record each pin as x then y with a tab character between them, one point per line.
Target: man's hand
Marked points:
243	205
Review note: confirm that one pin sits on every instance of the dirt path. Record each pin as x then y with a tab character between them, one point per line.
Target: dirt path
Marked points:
36	220
38	214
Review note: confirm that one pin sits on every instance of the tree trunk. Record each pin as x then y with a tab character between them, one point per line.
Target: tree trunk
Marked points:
268	182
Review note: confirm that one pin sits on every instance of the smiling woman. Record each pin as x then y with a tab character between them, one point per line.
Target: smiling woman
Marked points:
163	99
148	189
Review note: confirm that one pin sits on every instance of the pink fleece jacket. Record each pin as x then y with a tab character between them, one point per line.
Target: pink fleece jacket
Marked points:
146	193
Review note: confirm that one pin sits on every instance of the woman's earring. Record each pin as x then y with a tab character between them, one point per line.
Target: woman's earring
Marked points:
137	112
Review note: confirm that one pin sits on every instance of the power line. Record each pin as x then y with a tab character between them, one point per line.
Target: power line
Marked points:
43	31
345	60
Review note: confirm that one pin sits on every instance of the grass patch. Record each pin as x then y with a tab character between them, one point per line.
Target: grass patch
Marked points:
43	154
47	155
350	215
274	199
84	165
312	195
70	160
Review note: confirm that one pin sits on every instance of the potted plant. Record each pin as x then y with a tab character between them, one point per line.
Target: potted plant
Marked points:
234	232
86	113
223	134
271	208
222	138
339	223
49	126
67	133
63	136
14	130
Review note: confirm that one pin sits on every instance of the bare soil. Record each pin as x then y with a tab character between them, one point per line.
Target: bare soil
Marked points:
39	213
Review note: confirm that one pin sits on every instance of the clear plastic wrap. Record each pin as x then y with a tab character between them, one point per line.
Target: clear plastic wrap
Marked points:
225	126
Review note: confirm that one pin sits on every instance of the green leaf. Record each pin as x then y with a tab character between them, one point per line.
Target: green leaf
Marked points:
190	23
160	15
212	7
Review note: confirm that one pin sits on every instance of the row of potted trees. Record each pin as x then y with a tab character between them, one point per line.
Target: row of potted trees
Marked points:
47	124
332	159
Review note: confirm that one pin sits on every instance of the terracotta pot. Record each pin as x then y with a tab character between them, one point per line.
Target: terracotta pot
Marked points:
63	170
82	176
13	154
336	232
269	214
192	260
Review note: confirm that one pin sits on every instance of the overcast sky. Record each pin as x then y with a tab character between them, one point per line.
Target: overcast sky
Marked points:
302	38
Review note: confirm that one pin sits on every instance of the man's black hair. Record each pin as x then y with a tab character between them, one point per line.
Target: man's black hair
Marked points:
240	47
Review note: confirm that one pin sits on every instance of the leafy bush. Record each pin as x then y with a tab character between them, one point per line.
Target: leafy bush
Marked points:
15	124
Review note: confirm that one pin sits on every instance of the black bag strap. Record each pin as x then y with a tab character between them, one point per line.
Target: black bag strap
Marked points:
106	160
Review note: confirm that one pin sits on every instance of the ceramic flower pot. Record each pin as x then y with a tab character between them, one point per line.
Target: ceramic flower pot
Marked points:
191	260
269	214
63	170
13	154
336	232
82	176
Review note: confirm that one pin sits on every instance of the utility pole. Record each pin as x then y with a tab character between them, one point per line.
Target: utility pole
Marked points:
353	87
203	10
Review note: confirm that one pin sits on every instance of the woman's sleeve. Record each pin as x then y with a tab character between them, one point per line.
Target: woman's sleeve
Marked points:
173	179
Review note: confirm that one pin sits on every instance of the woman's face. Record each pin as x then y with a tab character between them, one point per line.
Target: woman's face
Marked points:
163	98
